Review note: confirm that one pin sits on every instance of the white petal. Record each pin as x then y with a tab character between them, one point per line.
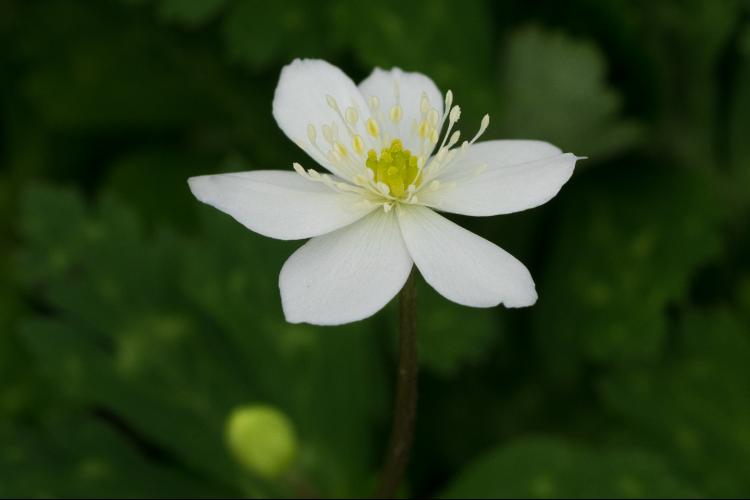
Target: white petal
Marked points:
460	265
301	99
396	87
347	275
518	175
279	204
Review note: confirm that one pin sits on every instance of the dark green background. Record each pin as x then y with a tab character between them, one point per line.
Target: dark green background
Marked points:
133	319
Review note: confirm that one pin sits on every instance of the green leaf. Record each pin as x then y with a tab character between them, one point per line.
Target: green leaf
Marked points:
155	183
85	457
626	247
554	88
550	468
421	36
695	406
133	78
261	33
191	12
169	335
453	336
739	125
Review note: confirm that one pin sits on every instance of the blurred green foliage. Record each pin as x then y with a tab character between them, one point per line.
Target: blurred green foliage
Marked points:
134	321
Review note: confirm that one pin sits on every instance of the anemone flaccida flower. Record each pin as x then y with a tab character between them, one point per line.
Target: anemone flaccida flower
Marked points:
391	160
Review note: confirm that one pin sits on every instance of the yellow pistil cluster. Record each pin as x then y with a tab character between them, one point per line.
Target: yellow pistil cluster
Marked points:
396	168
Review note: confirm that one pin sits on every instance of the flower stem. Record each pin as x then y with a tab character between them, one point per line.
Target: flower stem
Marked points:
405	407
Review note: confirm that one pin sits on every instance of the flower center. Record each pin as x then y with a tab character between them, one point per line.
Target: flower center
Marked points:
396	168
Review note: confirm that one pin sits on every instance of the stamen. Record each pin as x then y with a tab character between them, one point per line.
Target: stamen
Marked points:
396	113
434	136
352	115
332	102
328	134
482	127
341	150
455	114
358	145
424	105
432	117
372	127
312	133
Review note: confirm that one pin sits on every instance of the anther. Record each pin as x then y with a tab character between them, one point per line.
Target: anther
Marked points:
372	127
328	134
358	145
424	105
448	99
455	114
396	113
352	115
312	134
332	102
341	150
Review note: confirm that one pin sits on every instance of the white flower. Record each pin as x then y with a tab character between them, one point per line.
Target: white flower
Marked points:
394	159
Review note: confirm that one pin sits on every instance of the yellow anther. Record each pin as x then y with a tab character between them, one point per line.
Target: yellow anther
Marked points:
341	150
372	127
424	129
434	136
374	102
396	114
358	145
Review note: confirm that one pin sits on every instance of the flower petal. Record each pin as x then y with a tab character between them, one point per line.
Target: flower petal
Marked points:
302	98
460	265
279	204
347	275
396	87
517	175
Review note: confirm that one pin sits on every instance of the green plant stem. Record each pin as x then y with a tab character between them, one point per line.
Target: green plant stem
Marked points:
405	407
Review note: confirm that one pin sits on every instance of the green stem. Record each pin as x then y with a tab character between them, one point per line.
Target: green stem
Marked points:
405	407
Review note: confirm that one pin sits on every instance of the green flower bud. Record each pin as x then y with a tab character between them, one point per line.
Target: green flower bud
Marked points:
262	439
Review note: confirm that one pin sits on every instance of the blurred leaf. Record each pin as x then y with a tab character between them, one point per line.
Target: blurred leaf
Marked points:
685	41
739	124
547	468
191	12
258	33
329	379
418	36
170	335
129	79
696	406
625	249
82	457
155	183
452	336
554	88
